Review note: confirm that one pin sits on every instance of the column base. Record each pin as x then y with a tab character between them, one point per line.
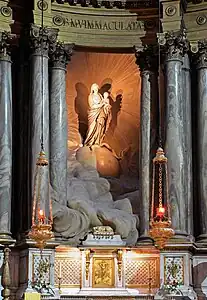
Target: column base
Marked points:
181	237
202	239
6	238
145	240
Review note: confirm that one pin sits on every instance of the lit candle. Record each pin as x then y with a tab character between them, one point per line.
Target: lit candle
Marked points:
160	211
41	216
60	270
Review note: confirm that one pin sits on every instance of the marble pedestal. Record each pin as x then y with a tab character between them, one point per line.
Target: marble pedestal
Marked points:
177	266
29	260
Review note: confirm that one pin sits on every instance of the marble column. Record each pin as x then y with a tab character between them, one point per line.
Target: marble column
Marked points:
147	62
40	40
188	173
175	132
58	121
202	138
5	137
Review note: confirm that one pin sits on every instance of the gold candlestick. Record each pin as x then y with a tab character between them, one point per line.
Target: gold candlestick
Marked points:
150	280
60	278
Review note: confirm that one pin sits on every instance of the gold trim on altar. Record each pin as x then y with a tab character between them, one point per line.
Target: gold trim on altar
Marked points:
103	275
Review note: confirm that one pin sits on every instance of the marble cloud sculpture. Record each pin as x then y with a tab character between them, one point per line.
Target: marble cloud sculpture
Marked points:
90	204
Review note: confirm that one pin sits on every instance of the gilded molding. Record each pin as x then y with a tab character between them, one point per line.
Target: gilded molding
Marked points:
61	54
42	39
147	58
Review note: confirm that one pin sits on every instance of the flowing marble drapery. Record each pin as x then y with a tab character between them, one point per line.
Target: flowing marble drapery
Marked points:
175	130
59	121
40	39
5	137
188	176
202	138
147	62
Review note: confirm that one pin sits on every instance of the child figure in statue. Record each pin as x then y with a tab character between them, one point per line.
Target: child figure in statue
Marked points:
107	106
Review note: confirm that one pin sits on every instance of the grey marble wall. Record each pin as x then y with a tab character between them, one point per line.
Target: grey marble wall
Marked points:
187	142
148	68
58	122
5	141
175	146
202	138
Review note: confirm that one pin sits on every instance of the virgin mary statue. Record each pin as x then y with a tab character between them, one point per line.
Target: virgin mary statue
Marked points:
99	117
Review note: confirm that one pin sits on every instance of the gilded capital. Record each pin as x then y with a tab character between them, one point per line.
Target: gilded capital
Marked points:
201	55
61	54
174	45
42	39
147	58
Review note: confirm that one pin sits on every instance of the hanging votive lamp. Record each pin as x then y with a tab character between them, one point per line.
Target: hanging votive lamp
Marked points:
42	220
160	219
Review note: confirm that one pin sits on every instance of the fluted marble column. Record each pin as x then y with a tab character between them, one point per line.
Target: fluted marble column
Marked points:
175	132
147	63
188	173
202	138
58	121
39	99
5	137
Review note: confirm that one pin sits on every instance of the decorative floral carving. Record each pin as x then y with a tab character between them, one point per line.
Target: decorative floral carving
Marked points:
61	54
175	46
147	58
42	39
6	11
201	20
42	5
5	43
201	56
58	20
150	24
170	10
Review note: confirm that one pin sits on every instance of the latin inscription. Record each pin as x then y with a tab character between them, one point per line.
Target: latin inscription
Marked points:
99	25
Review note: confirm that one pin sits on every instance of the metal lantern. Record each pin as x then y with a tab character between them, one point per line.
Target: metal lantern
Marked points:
42	220
160	220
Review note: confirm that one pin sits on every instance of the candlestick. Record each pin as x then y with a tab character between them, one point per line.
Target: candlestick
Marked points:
160	211
60	278
41	216
60	270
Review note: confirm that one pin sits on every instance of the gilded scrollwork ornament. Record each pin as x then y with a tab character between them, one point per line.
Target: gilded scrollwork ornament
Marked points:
42	39
147	58
61	54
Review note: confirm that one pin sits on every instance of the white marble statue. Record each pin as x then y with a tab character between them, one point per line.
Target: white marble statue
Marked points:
90	204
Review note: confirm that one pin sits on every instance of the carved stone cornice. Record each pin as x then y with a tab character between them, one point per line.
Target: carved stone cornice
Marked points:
200	51
42	39
123	4
147	58
6	39
61	54
174	45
